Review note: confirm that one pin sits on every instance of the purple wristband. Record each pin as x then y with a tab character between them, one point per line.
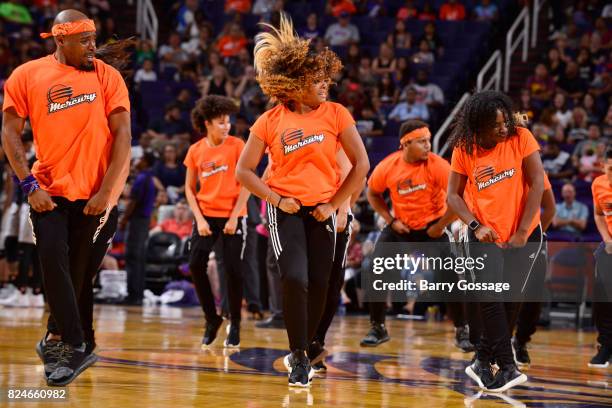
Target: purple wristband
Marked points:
29	185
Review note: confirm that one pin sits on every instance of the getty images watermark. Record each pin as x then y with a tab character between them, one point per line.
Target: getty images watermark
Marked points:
449	272
411	264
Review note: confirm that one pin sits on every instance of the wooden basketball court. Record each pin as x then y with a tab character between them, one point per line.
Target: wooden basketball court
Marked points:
151	357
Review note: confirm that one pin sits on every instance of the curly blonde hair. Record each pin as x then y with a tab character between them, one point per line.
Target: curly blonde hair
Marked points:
285	64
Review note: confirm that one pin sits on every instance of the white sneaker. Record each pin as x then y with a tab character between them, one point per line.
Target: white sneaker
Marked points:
171	296
149	298
11	298
37	300
23	300
7	291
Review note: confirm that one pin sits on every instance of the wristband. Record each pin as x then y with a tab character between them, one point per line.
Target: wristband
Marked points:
279	201
29	185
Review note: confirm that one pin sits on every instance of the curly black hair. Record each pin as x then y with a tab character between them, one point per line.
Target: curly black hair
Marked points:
478	116
410	125
118	54
211	107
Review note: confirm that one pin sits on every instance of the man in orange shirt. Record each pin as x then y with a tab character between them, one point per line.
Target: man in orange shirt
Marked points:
233	42
78	107
602	302
219	208
498	163
452	11
303	190
180	224
417	180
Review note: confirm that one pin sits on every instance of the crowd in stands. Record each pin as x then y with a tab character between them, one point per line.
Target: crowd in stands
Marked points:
385	80
568	101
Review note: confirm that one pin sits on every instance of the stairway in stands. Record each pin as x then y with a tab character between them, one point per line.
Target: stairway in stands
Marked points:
519	70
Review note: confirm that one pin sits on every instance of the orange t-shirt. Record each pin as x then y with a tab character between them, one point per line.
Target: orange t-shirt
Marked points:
602	198
303	150
216	167
467	193
344	6
418	190
68	110
452	12
230	47
497	185
240	6
182	229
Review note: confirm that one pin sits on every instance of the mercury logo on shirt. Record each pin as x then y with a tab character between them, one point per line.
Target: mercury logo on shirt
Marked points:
60	98
406	187
294	139
485	176
211	168
607	209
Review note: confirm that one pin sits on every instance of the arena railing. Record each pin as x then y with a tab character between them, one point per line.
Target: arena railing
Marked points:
535	16
446	124
147	23
512	43
495	80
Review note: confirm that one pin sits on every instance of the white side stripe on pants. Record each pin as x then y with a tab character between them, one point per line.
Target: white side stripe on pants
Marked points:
535	259
348	239
333	217
244	237
272	224
101	223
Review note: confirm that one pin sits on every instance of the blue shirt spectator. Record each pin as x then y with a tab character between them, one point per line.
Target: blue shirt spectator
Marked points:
169	171
571	215
486	11
312	30
410	109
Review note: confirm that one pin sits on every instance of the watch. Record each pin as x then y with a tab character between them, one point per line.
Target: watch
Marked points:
474	225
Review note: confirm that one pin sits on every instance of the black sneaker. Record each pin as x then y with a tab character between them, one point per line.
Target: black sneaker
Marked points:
481	373
507	377
316	353
602	358
255	311
462	339
271	322
90	346
377	335
71	361
319	367
48	352
521	356
233	336
300	371
210	333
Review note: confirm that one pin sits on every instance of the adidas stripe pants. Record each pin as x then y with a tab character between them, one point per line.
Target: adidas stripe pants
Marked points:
490	319
304	248
64	239
233	252
388	234
336	280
